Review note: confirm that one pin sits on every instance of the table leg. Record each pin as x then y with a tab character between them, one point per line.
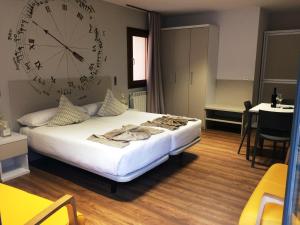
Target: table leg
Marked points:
248	135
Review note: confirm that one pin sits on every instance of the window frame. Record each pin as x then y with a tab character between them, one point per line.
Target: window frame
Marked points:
130	33
292	179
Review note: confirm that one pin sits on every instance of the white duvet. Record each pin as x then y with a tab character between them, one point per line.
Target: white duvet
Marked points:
70	144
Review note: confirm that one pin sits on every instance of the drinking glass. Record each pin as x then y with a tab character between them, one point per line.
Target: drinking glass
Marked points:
279	99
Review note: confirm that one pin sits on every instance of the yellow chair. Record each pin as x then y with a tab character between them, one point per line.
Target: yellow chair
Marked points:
18	207
265	206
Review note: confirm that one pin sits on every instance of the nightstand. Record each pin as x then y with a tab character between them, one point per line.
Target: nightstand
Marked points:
13	157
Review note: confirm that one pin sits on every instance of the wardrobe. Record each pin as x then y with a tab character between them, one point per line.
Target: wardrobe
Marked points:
189	67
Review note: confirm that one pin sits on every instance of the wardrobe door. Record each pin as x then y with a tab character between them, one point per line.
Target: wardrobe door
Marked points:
198	71
181	75
167	54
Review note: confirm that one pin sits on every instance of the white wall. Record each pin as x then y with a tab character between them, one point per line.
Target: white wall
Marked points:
233	92
111	18
238	43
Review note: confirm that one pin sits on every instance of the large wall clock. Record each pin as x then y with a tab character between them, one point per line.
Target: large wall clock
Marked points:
59	39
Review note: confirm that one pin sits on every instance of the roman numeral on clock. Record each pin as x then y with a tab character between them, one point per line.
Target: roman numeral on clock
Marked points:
48	10
80	16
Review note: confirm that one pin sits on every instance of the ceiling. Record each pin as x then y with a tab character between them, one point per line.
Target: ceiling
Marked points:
188	6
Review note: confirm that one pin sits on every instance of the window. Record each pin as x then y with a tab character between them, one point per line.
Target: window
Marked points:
137	42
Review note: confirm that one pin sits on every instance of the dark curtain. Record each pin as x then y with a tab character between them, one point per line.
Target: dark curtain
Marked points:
155	97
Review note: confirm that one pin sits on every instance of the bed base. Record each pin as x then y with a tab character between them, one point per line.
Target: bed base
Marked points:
113	186
114	180
181	149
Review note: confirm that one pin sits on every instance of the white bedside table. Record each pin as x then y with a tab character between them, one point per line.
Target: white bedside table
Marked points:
13	157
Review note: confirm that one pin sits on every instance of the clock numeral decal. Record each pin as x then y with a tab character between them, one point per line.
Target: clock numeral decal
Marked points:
31	44
38	65
91	67
45	49
21	30
27	65
46	93
65	91
48	10
64	7
10	35
80	16
81	87
39	80
94	72
97	37
71	84
53	80
92	77
20	48
29	10
18	55
83	79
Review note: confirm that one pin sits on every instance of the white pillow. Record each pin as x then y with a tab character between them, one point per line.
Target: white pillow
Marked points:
37	119
68	113
111	106
92	108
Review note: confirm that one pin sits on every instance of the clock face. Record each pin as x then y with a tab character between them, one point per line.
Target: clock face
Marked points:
59	39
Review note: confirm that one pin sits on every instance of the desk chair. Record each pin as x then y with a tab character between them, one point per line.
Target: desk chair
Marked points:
246	126
275	127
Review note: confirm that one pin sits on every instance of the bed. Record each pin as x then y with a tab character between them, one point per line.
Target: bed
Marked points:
69	143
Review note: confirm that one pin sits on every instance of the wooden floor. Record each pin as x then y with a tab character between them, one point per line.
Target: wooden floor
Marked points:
211	187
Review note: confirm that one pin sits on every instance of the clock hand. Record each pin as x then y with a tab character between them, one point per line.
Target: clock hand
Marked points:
75	54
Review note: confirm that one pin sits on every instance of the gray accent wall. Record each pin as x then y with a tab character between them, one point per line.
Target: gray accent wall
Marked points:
111	18
283	20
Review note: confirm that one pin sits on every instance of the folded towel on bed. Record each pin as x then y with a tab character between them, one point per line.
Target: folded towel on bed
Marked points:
169	122
121	138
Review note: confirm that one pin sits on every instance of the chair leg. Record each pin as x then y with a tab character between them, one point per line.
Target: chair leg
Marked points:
283	150
242	141
253	156
274	150
255	150
261	145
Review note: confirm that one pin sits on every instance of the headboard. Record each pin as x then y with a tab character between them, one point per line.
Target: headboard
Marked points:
26	99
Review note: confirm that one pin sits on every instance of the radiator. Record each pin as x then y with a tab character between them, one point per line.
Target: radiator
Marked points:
139	100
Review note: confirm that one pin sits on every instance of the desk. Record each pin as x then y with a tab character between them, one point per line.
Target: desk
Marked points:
224	114
265	107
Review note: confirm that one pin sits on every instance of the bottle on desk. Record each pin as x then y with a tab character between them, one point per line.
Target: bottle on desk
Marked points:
274	98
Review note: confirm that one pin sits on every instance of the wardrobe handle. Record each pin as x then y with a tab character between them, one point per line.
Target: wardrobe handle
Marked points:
192	76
